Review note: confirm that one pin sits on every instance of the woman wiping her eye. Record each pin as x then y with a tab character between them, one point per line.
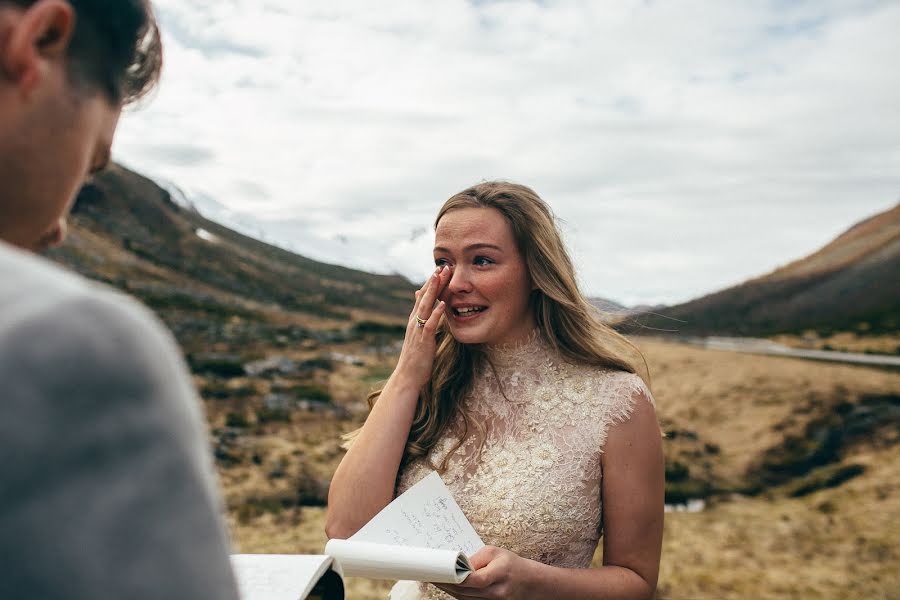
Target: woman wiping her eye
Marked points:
529	408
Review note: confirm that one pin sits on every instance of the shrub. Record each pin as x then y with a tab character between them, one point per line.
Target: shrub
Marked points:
235	420
312	393
273	415
221	365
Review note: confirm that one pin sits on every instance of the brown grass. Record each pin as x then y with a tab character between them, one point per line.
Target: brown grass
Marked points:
839	543
734	400
836	543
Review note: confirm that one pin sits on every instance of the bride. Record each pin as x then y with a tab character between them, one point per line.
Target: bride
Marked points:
528	407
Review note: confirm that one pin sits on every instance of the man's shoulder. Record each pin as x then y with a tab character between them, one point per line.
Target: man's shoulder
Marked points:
22	271
33	288
62	336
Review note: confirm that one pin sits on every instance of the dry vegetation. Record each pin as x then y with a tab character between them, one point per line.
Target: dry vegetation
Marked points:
724	412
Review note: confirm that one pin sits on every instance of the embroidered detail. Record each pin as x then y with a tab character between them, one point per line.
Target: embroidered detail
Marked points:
534	487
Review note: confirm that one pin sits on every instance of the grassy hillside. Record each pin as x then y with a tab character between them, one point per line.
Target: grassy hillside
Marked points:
799	462
217	289
852	284
144	234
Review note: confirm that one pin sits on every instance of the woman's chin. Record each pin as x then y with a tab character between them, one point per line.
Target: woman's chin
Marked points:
466	335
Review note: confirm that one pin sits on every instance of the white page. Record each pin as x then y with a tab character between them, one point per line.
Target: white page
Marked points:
382	561
426	516
278	576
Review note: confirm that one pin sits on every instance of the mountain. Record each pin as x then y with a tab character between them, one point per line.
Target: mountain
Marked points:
607	306
853	283
127	231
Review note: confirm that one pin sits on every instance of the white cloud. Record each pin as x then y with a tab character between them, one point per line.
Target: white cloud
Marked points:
687	145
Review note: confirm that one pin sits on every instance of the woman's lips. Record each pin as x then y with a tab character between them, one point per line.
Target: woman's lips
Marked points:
468	313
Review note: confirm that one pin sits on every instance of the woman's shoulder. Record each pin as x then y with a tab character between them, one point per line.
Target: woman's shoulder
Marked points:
605	377
615	390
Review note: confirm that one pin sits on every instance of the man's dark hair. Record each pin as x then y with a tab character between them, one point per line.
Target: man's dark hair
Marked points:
115	47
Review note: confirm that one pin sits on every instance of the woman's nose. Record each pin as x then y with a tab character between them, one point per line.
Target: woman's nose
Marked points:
459	280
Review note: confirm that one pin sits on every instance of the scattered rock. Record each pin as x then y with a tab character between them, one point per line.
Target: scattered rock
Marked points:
274	365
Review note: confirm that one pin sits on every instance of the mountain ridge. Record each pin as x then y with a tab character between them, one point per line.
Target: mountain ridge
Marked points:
217	289
851	283
130	232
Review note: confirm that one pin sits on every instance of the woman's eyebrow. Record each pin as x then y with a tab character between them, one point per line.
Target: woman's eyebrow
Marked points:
470	247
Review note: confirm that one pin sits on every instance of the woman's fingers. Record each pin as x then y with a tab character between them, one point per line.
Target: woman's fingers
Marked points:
421	291
426	299
434	320
417	355
430	295
415	310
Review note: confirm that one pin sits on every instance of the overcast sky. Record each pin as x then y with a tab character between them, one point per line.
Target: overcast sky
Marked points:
685	146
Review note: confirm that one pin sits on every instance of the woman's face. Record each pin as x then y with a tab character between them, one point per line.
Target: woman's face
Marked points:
488	292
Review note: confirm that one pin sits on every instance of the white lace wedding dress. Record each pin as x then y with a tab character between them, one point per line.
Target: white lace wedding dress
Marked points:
534	486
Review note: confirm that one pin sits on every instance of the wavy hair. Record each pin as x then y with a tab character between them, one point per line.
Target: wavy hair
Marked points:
566	320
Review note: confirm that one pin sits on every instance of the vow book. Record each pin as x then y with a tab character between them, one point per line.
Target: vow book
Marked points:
422	535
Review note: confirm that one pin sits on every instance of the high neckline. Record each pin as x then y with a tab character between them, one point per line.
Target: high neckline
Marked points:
518	352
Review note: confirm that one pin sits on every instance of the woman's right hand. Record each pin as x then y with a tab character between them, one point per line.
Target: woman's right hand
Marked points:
419	345
364	481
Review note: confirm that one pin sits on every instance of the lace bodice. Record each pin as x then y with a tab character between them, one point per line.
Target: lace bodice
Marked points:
533	487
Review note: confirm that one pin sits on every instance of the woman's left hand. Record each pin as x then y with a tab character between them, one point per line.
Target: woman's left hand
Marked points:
498	573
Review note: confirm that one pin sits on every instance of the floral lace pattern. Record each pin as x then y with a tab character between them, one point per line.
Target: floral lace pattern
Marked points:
533	487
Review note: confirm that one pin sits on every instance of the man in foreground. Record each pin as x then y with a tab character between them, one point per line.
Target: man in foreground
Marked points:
106	486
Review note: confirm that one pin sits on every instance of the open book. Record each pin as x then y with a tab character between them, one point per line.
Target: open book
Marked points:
422	535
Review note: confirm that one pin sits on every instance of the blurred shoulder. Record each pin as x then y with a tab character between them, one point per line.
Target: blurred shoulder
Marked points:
51	317
36	294
65	337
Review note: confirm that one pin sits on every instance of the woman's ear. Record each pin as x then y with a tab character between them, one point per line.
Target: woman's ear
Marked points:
39	37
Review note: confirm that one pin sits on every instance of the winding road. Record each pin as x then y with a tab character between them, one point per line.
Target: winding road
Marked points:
763	346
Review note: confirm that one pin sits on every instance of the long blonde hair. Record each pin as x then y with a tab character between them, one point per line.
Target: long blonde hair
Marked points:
566	320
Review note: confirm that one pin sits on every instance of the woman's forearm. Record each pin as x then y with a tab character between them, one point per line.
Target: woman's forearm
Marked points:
608	582
500	573
364	481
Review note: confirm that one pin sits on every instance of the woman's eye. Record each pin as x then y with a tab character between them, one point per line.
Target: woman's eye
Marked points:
439	262
482	261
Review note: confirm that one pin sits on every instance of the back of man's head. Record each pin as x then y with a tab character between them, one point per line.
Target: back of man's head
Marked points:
115	47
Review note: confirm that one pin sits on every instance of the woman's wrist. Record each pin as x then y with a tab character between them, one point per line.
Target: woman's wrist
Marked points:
402	384
539	576
409	372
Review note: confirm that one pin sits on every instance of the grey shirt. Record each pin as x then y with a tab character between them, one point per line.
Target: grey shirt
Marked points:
106	485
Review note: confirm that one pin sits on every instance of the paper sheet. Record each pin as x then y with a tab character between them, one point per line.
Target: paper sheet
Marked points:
381	561
277	576
425	516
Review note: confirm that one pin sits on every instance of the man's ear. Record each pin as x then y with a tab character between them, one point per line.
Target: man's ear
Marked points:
40	35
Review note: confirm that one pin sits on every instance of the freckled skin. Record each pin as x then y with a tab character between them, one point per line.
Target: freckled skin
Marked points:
487	270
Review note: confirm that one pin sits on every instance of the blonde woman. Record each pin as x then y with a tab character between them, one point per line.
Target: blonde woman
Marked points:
528	407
